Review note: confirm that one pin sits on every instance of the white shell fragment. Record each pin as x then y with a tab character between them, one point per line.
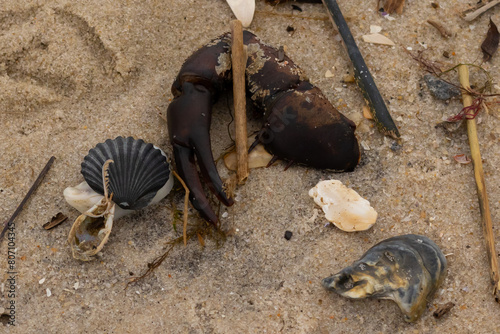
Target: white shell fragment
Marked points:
375	29
378	39
343	206
259	157
243	10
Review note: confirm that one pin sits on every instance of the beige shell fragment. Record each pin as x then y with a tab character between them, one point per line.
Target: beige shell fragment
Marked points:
343	206
259	157
243	10
378	39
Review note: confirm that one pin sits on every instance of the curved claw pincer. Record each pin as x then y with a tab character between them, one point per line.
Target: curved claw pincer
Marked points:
300	124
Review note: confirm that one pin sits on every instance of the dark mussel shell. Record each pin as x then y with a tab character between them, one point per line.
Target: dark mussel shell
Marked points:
407	269
138	172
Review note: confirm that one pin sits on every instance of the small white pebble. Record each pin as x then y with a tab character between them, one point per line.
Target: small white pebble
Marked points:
409	48
41	281
138	292
49	293
225	215
375	29
76	285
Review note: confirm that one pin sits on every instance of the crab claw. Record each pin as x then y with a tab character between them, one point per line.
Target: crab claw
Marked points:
189	118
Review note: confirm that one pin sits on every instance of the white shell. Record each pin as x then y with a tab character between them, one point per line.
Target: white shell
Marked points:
82	197
243	10
343	206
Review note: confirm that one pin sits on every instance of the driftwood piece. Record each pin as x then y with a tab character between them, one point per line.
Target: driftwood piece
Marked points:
239	63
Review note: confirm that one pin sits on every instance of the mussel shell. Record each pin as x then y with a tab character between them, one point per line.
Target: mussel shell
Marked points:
407	269
138	172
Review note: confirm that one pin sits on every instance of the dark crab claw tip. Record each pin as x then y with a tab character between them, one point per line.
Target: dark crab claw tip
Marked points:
184	159
209	170
254	144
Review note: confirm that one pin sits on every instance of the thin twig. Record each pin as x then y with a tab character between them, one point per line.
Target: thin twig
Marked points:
239	61
26	198
186	203
484	206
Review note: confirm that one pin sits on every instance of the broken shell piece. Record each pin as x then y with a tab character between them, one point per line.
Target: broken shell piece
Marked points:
243	10
137	174
377	39
407	269
258	157
375	29
343	206
91	230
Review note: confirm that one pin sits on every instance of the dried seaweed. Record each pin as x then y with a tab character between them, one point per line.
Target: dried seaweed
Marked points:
490	44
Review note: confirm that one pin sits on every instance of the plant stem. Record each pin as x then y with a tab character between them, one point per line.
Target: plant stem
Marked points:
484	206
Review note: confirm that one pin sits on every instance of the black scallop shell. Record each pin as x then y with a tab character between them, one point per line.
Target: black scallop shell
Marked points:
138	172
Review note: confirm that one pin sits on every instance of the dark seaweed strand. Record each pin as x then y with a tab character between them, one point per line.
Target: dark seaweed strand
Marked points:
363	77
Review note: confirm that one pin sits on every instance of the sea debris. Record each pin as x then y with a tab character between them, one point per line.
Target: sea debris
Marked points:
364	79
442	30
121	175
391	6
462	159
407	269
441	89
8	224
486	221
490	43
258	157
243	10
481	8
377	38
343	206
59	218
300	125
443	309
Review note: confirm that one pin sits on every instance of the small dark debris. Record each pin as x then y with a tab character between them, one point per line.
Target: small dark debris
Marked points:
56	220
288	235
490	44
435	5
446	54
440	89
468	246
381	10
395	146
295	7
131	273
290	29
443	309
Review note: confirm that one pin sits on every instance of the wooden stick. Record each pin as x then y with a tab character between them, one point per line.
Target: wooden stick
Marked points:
186	203
239	62
26	198
484	206
469	16
364	79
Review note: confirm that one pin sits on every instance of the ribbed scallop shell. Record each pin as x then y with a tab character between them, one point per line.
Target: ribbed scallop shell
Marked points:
138	172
